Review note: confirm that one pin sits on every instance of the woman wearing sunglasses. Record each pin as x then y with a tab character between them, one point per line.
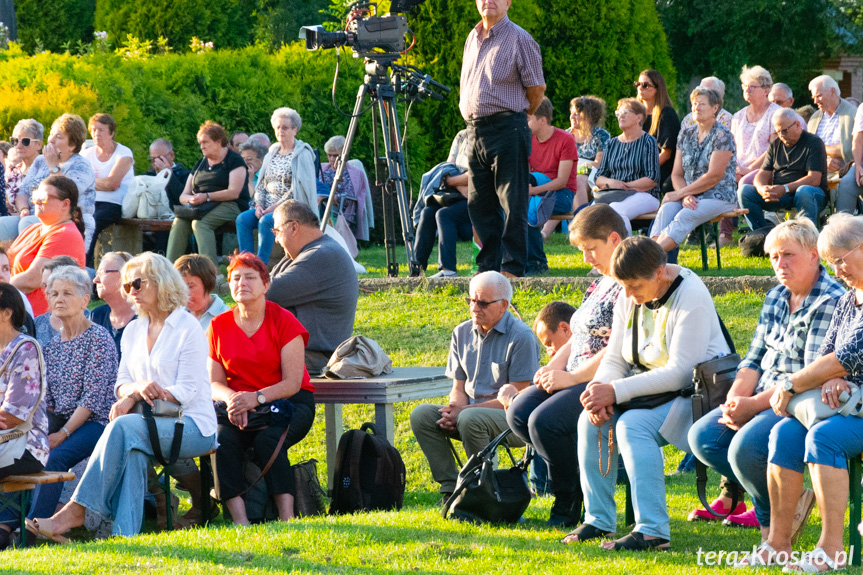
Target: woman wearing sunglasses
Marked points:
116	313
661	121
59	231
164	357
26	143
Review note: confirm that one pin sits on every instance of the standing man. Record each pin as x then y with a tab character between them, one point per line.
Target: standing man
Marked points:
501	82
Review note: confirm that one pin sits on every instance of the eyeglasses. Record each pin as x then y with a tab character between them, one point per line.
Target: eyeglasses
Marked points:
751	87
153	159
780	102
643	85
479	303
41	201
281	228
840	262
103	273
784	131
622	113
24	141
135	283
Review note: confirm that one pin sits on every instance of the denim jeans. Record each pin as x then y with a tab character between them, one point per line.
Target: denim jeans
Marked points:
452	224
535	252
847	195
106	214
830	442
115	480
738	455
549	422
636	434
246	223
807	200
64	457
498	152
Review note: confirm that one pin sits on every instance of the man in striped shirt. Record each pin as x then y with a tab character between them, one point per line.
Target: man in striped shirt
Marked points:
501	82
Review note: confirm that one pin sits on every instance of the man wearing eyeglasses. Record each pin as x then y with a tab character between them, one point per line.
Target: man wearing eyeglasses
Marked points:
488	351
793	175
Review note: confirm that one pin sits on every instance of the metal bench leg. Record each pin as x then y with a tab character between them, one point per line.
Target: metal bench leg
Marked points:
716	235
630	513
25	506
703	239
206	486
854	519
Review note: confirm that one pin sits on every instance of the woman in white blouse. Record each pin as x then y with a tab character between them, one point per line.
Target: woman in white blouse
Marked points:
164	356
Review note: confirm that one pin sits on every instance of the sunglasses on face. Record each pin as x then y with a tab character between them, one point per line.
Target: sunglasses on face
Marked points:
644	85
41	201
135	283
479	303
24	141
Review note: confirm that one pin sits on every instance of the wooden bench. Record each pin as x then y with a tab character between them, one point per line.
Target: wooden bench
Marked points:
24	485
127	235
702	236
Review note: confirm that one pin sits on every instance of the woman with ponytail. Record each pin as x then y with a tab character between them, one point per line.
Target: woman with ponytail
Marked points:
60	231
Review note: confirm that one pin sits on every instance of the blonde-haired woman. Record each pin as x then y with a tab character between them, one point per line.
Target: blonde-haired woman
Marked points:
173	369
661	122
287	172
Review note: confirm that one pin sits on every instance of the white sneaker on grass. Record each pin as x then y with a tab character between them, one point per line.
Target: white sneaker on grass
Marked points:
444	274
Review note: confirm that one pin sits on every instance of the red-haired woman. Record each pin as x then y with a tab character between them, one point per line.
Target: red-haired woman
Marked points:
256	358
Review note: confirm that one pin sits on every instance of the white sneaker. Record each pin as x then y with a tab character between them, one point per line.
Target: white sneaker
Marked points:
444	274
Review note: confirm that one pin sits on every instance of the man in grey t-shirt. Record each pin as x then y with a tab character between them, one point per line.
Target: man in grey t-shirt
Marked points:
489	350
315	281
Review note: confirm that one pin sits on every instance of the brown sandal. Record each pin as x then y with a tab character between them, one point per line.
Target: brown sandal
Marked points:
586	532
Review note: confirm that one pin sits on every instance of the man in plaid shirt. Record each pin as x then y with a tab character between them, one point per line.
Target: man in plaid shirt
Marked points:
501	82
733	438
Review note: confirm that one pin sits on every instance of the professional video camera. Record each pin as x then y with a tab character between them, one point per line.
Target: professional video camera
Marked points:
368	36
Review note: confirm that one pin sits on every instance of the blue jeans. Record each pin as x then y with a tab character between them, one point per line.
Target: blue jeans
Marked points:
246	223
738	455
808	200
451	223
115	481
830	442
535	252
636	433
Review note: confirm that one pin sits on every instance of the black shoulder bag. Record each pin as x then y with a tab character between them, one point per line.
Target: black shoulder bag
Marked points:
165	409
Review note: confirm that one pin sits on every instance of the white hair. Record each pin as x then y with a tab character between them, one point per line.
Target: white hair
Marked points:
494	280
758	74
843	232
824	81
75	276
334	145
785	88
715	84
32	127
289	113
784	114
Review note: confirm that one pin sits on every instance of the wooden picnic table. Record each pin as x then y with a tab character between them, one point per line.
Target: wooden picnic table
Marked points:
403	384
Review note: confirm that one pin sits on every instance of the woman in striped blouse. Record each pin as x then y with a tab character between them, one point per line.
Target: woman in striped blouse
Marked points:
628	177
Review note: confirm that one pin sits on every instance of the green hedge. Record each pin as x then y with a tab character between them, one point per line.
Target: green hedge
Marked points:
48	24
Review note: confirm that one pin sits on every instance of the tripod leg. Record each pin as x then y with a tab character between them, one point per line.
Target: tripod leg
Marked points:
346	151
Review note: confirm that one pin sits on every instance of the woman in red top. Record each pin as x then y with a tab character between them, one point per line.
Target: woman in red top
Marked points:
60	232
256	357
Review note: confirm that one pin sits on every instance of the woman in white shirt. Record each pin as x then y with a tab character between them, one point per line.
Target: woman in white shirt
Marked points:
164	356
113	165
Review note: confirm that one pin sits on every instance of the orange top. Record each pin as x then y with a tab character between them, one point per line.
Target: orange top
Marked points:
46	242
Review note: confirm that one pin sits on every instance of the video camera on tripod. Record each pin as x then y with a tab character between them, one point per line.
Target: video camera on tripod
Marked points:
380	41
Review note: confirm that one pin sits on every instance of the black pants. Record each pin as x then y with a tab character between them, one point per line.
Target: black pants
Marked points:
26	465
498	170
233	443
549	422
105	215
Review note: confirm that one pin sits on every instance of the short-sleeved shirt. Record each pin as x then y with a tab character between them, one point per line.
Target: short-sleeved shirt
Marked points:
845	337
82	373
508	352
103	170
207	179
599	138
666	137
752	138
591	322
20	388
216	308
785	342
696	155
76	169
630	161
45	241
790	163
545	157
253	363
496	70
858	121
828	128
102	316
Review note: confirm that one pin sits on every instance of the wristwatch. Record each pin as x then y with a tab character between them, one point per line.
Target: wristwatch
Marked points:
55	169
262	399
787	386
787	190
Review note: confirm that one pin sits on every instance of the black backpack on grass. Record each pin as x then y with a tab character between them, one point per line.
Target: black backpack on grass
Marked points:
369	474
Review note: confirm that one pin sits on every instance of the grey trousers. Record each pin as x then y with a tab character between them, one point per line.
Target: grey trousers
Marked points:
845	196
476	427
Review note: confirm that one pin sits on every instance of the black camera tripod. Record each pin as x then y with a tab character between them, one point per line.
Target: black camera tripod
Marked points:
390	170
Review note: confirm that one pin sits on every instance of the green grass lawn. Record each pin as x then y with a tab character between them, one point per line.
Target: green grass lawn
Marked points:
565	261
415	329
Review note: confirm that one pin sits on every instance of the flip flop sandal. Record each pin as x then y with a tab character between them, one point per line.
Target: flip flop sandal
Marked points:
635	541
586	532
808	563
754	561
33	526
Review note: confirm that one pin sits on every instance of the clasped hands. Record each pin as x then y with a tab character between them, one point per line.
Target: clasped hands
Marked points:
737	411
598	400
770	192
449	416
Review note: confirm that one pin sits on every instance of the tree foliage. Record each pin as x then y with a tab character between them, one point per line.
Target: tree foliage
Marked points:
49	24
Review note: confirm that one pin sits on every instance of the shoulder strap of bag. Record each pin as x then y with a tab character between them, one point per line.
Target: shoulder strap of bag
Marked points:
635	359
28	424
726	334
701	486
153	432
271	460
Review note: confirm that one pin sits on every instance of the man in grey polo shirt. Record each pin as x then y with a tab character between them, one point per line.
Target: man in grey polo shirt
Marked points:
491	349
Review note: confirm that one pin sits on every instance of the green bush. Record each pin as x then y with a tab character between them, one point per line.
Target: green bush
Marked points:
49	24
